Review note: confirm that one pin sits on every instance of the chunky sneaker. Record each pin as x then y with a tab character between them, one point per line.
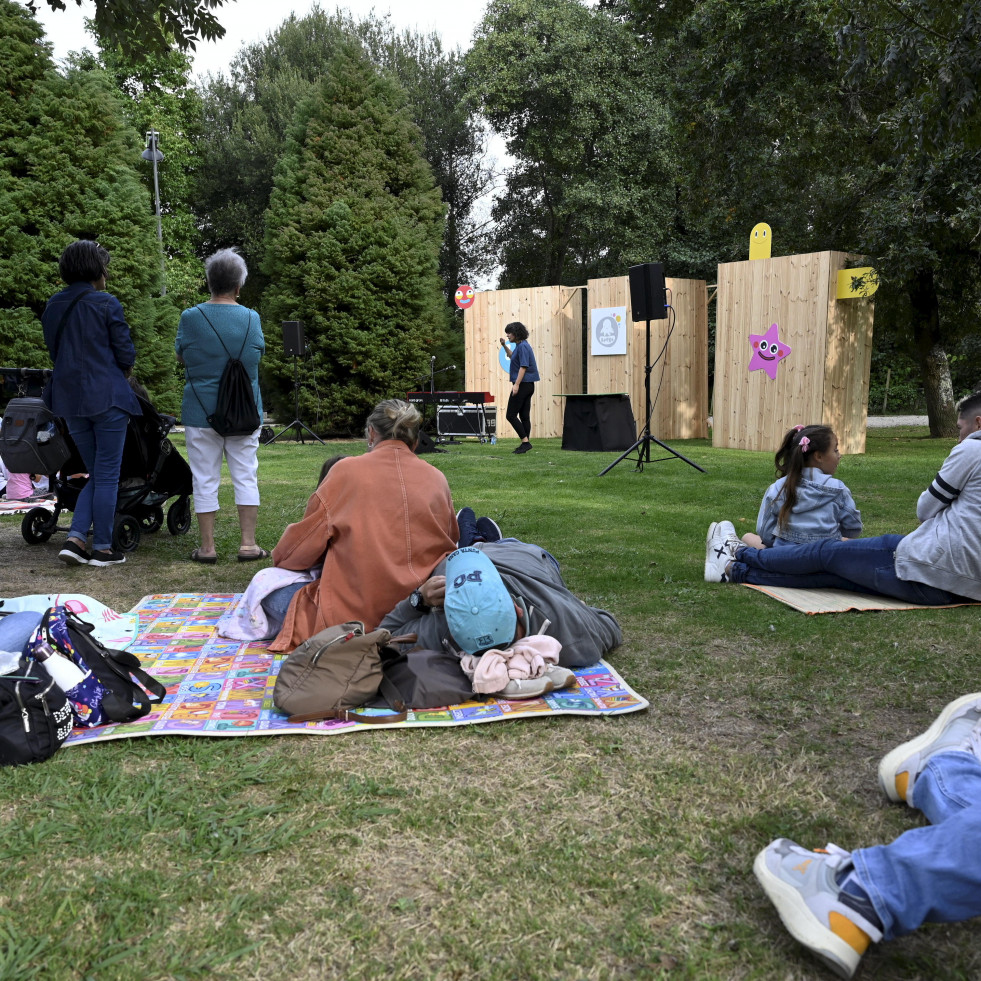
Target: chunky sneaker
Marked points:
489	530
518	689
834	925
720	549
72	554
958	727
560	677
103	557
467	522
523	448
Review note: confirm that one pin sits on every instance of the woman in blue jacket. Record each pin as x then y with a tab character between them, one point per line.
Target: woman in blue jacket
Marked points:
90	346
523	374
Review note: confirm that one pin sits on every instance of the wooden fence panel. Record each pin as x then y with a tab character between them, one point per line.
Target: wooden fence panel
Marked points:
825	377
553	316
681	406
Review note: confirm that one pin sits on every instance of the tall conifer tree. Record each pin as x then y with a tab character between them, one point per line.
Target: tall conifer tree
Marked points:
352	242
67	171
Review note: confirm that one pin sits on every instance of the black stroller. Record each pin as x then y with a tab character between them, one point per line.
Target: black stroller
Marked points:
151	473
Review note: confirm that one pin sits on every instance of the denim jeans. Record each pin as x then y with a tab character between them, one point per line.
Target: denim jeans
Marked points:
278	602
100	441
862	565
931	874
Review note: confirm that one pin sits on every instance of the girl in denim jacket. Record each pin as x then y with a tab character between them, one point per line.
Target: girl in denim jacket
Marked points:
808	503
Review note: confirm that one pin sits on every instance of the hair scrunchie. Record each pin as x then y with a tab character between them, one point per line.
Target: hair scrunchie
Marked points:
798	428
804	444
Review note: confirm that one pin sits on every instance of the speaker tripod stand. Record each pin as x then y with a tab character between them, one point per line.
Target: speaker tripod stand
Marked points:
643	445
296	423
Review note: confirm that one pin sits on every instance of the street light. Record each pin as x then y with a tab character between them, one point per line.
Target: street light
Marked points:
153	154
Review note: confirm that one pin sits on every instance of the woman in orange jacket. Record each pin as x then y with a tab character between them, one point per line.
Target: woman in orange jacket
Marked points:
379	523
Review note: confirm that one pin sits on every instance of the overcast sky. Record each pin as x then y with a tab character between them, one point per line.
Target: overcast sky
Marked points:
251	20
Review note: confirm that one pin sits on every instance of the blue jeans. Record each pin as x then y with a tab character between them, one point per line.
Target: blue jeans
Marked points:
931	874
278	602
862	565
100	441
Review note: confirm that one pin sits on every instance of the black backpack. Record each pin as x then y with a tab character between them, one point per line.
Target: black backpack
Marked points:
35	717
235	412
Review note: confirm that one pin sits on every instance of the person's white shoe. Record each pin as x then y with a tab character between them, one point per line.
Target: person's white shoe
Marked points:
720	549
958	727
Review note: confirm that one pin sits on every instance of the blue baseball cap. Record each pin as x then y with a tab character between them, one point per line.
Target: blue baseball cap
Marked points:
479	610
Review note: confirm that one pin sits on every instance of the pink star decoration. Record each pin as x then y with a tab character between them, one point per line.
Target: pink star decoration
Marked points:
768	351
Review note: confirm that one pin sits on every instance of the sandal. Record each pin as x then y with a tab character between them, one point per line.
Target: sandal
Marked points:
196	556
252	556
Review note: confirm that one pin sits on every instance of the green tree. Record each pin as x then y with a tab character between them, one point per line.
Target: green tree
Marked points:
353	233
157	94
575	99
140	27
874	154
66	172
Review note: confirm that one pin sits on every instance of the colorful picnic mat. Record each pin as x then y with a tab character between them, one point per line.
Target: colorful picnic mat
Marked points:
219	687
840	600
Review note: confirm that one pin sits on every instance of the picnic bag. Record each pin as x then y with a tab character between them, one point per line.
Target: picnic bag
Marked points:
334	672
35	717
235	412
107	690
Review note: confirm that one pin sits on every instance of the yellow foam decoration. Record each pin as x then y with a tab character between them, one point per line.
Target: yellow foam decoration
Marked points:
853	283
760	240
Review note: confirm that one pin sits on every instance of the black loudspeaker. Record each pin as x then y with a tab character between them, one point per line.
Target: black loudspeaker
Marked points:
426	444
294	344
647	293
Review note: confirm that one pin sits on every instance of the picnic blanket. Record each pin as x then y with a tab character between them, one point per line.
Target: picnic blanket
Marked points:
813	601
22	507
219	687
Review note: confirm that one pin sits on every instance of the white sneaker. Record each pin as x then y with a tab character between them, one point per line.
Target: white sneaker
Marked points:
560	677
720	549
516	690
958	727
803	886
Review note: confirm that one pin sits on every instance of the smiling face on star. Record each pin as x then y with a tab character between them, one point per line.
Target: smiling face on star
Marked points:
768	351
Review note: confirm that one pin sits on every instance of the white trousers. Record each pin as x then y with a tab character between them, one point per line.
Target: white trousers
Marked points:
205	449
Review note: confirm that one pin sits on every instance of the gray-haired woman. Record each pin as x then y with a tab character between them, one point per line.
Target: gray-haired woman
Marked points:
378	523
208	335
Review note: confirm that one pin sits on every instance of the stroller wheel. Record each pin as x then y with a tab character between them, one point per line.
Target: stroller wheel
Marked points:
125	533
179	516
38	526
151	522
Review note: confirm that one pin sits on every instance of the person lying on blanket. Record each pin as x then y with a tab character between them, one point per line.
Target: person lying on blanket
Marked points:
535	601
937	564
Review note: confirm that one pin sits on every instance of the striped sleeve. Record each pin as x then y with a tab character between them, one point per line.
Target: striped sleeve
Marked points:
943	492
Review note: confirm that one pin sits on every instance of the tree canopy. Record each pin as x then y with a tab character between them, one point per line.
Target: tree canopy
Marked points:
140	27
67	171
352	241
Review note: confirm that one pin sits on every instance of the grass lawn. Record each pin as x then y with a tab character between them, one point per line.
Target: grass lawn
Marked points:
568	848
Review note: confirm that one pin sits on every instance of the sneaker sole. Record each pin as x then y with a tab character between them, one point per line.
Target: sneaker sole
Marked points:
889	767
803	925
70	558
101	563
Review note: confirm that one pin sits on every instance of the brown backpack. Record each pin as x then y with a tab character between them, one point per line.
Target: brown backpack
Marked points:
336	671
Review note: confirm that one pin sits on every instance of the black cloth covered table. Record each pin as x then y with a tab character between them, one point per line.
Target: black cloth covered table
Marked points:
600	423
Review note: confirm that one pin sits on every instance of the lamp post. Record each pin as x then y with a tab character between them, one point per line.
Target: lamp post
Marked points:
153	154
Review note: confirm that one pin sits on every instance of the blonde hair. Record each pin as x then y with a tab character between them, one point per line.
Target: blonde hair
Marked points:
395	419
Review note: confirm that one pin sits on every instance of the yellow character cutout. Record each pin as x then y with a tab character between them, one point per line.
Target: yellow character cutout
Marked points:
760	241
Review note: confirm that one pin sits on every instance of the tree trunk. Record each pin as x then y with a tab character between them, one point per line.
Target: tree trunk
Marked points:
931	356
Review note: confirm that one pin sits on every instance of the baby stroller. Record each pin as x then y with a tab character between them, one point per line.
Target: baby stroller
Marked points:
152	471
